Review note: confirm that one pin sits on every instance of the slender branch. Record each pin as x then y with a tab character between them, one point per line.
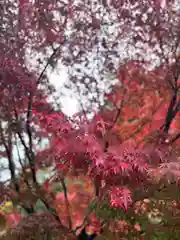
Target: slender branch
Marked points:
177	108
66	201
171	113
119	109
118	112
85	218
18	153
22	166
31	162
176	137
28	151
10	160
28	123
174	85
12	170
28	120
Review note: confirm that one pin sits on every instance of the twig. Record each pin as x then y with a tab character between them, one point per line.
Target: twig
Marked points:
176	137
29	152
66	201
89	210
10	160
119	109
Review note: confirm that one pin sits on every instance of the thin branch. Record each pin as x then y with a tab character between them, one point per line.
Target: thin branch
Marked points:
171	113
22	167
12	170
118	112
85	218
29	152
28	119
10	160
66	201
176	137
177	108
119	109
18	153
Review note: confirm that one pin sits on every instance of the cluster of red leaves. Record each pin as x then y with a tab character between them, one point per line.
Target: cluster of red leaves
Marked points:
112	155
82	150
115	170
145	103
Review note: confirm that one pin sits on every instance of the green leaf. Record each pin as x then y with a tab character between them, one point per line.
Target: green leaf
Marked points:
22	211
40	207
131	120
92	205
57	187
105	211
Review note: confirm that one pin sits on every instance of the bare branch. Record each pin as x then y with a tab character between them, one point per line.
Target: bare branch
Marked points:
118	112
171	113
10	160
66	201
176	137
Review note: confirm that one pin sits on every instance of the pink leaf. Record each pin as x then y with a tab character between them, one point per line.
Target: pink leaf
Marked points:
120	197
12	220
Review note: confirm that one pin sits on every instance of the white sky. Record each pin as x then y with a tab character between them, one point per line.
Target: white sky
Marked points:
58	77
69	102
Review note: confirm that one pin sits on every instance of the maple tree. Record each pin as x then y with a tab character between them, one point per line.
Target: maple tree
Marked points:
105	171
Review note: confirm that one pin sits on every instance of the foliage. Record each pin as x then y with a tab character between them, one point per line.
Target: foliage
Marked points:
115	175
